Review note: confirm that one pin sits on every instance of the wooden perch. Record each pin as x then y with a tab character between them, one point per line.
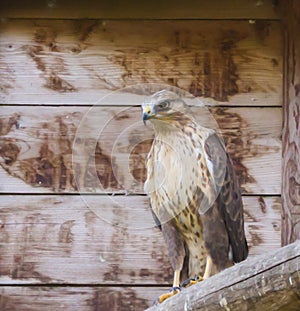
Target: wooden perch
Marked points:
268	282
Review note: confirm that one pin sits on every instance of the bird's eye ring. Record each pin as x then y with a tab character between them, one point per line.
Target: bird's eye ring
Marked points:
164	104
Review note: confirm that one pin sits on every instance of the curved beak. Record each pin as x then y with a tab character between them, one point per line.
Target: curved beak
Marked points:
147	113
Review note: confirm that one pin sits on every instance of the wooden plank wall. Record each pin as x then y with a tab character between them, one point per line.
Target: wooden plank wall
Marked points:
65	243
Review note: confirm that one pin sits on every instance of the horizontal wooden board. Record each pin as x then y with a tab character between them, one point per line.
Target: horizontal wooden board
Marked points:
79	61
103	149
78	298
228	9
98	239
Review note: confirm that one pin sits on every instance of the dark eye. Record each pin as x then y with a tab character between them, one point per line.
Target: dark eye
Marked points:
164	105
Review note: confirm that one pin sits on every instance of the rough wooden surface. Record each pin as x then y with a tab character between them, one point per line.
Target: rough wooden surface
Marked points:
291	126
79	61
40	148
139	9
68	239
24	298
59	250
268	282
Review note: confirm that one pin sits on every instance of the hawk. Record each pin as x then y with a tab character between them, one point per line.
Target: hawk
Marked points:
194	193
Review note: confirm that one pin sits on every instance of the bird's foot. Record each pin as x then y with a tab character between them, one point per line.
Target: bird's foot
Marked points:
173	291
191	281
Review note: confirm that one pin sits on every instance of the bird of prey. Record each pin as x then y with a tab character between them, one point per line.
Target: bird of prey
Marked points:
194	193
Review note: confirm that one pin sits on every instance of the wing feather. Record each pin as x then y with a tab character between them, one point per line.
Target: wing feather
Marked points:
229	200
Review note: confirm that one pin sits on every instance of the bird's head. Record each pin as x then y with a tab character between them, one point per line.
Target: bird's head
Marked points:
163	106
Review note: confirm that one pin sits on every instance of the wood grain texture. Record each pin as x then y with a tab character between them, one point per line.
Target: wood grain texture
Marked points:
79	61
269	282
93	252
57	239
291	126
77	298
103	149
155	9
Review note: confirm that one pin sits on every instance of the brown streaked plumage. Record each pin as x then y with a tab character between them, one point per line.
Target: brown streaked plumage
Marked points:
193	190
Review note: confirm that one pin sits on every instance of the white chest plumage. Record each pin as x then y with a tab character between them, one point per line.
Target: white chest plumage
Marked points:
172	168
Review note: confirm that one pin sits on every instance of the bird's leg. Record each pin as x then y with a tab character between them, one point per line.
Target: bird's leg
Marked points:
208	267
174	290
176	248
197	279
176	278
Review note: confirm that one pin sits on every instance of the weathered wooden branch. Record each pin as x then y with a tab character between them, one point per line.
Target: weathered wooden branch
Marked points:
268	282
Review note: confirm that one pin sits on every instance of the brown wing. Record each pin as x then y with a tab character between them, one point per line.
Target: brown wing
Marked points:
229	200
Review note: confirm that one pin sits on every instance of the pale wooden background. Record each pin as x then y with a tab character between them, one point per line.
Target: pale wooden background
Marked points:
56	252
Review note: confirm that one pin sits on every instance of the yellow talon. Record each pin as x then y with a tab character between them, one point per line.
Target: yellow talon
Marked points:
173	292
192	281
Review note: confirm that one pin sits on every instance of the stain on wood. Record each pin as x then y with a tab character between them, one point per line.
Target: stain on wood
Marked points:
75	62
262	225
65	234
50	150
209	81
6	124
